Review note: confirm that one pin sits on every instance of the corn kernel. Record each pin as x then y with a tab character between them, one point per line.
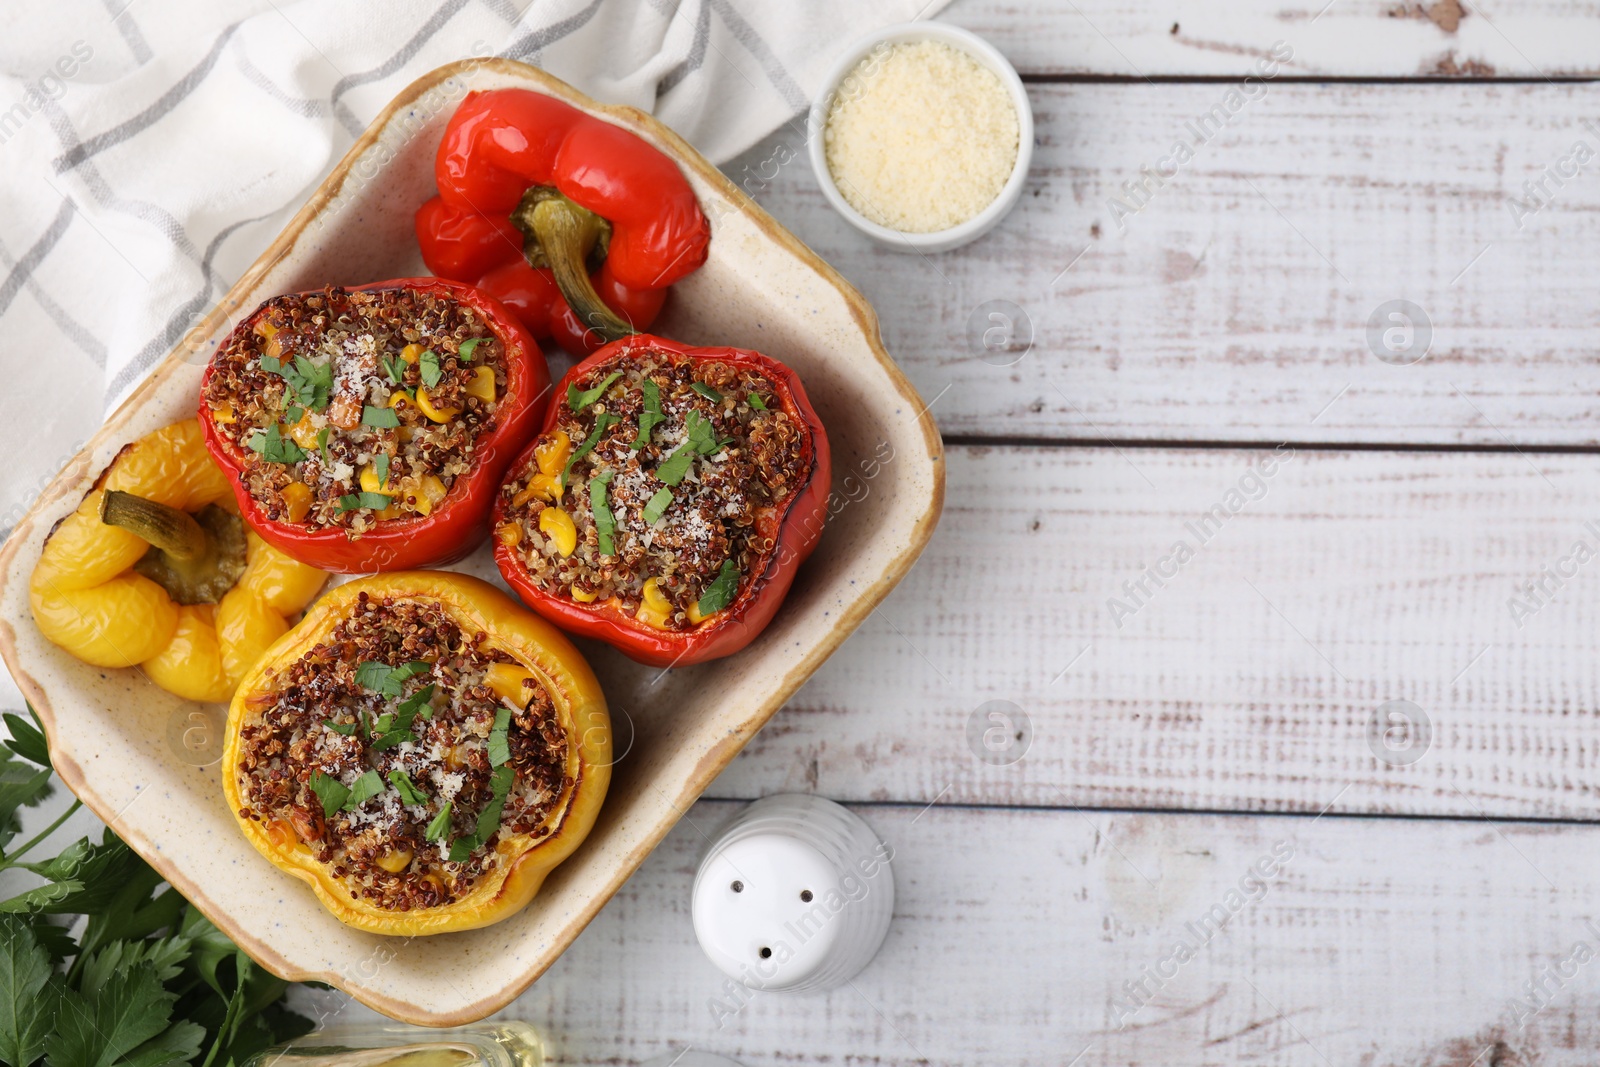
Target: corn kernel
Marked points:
223	415
303	433
370	483
395	862
425	405
429	492
557	525
694	613
551	453
509	533
583	597
411	353
297	501
655	609
482	384
505	679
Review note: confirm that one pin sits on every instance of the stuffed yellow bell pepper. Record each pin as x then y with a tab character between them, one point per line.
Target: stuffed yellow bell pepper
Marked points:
420	750
156	569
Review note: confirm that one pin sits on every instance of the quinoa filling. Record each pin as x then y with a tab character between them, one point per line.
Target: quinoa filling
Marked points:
351	408
663	485
393	751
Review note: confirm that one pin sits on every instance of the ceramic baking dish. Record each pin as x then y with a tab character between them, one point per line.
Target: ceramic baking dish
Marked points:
146	762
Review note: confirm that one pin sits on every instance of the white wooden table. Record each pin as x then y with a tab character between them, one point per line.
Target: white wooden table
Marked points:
1238	706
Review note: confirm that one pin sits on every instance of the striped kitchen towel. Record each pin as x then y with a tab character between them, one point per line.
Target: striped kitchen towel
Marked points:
153	148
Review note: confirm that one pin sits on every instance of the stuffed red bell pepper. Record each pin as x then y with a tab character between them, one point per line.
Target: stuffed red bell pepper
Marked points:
575	224
669	500
368	429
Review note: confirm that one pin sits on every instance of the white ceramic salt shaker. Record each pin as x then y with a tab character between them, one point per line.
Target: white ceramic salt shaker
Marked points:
794	896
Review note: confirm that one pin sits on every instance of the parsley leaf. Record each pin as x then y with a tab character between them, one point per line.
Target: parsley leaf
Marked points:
386	680
439	826
29	992
675	466
723	588
756	401
106	1025
602	423
651	416
348	729
375	501
605	523
27	739
396	370
367	786
410	795
706	391
428	367
379	418
322	446
332	792
702	435
462	848
464	354
306	384
380	467
274	447
577	401
657	506
500	738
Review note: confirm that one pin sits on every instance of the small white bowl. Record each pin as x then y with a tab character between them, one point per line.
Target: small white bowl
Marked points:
987	56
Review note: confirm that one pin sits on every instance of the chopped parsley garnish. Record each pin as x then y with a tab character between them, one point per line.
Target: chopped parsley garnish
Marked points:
756	401
706	391
702	435
415	703
439	826
723	588
577	401
322	446
395	368
657	506
346	728
306	384
375	501
410	795
465	352
500	738
386	680
293	415
380	467
605	524
380	418
274	447
367	786
428	367
602	423
462	848
675	466
651	416
330	791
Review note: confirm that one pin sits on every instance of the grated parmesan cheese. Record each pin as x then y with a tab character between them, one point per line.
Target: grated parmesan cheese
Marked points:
921	137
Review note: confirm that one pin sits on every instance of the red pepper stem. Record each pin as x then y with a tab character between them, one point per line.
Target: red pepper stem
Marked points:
560	228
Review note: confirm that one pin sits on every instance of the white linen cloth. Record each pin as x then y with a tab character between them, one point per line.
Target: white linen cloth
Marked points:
150	149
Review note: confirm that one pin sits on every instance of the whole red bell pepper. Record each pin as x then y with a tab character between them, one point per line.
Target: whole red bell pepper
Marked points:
455	524
575	224
793	525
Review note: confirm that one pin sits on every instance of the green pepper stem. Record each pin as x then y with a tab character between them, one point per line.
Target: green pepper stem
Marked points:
566	232
174	532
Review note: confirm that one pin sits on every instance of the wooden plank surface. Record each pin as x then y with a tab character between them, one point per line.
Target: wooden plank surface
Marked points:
1235	305
1320	588
1342	38
1373	942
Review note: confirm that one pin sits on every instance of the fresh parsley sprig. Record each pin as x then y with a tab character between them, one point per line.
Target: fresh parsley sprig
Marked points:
146	980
